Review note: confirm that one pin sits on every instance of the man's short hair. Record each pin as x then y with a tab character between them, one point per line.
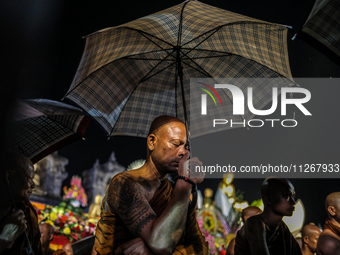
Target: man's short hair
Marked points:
271	184
160	121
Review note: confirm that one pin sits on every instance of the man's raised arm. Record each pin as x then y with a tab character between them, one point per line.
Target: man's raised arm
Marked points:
161	233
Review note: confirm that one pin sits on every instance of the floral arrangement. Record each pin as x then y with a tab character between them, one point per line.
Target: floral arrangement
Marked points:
214	232
70	223
76	192
219	229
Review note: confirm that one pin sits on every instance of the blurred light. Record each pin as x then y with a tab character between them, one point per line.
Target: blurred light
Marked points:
228	178
244	204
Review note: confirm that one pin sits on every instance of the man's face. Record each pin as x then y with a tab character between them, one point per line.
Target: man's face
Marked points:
22	184
284	200
170	146
68	249
313	240
45	234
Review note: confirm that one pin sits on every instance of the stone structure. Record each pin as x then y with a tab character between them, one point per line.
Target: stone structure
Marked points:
96	179
50	174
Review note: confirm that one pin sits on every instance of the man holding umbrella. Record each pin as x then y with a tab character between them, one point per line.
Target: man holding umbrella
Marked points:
142	212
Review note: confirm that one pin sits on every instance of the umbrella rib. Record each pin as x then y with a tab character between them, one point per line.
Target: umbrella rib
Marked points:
212	32
146	78
163	60
225	55
200	71
230	24
180	25
156	59
145	33
209	75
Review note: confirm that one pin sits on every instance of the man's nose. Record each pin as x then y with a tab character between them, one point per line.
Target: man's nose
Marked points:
293	201
182	150
32	184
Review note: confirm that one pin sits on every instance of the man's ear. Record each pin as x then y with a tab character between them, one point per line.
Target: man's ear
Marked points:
51	237
331	210
151	142
305	239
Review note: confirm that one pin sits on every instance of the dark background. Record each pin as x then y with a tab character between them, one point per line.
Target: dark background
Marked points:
41	46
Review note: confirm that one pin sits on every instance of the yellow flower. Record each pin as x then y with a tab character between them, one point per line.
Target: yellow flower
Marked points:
67	231
92	221
81	227
74	194
53	216
50	222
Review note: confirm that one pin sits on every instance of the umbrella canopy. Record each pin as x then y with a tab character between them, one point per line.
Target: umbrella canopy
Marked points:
41	126
322	28
132	73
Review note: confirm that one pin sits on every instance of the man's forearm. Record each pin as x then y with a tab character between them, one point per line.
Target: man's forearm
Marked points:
169	226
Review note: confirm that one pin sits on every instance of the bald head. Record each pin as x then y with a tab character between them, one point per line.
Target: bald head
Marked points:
46	234
48	227
250	211
68	249
332	199
160	121
308	230
310	235
160	126
332	204
167	143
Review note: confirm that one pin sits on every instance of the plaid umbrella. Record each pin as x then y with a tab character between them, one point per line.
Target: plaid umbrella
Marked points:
42	126
132	73
322	28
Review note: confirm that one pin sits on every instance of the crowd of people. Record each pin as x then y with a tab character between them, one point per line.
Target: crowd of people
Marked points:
143	212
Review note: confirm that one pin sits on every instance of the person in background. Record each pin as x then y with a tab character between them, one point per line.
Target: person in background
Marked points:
266	233
17	173
329	240
310	235
246	213
68	249
46	232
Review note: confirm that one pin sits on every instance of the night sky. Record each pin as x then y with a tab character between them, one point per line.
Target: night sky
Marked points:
42	45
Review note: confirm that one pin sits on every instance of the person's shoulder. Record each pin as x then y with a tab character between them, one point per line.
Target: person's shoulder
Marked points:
256	219
328	244
123	177
124	182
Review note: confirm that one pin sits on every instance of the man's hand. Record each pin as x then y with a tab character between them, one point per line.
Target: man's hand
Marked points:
134	247
187	168
13	226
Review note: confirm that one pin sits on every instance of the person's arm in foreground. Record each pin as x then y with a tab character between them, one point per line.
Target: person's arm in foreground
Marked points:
12	227
160	233
194	242
328	245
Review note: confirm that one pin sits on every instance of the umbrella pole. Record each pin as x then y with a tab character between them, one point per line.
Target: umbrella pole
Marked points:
180	75
192	203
